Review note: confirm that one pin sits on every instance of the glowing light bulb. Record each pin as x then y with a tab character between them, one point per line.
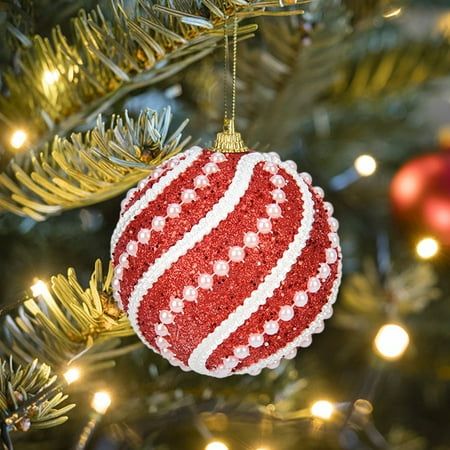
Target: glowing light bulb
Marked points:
427	247
322	409
216	445
391	341
71	375
101	402
18	138
392	13
365	165
50	77
39	288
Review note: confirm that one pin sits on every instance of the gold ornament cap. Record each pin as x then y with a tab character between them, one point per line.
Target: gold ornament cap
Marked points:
229	140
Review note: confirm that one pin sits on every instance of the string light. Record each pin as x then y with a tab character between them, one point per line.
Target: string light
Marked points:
216	445
72	375
50	77
101	402
39	288
427	247
391	341
365	165
322	409
18	138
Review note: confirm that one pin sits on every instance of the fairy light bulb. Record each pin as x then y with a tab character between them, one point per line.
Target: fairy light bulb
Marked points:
322	409
50	77
365	165
18	139
71	375
216	445
391	341
427	247
39	288
101	402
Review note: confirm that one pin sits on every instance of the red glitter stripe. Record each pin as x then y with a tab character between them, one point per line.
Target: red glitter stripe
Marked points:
296	280
175	228
214	306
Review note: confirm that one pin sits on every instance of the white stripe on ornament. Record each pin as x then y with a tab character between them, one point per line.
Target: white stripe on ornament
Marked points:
299	341
218	213
152	194
272	281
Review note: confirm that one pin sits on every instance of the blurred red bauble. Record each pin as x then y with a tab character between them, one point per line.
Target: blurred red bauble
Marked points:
420	194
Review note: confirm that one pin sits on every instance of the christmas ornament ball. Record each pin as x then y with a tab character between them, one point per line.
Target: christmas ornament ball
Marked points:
226	262
420	194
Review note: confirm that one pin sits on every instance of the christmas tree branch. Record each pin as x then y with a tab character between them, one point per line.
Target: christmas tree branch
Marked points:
91	167
67	323
67	83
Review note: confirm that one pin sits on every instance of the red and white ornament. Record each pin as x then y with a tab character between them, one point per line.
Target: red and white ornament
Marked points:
226	263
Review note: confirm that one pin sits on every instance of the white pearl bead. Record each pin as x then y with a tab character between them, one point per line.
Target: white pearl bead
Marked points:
141	184
161	342
328	208
190	294
123	203
158	223
241	351
210	168
118	272
318	327
165	316
116	297
176	305
188	195
331	255
327	311
167	353
221	268
305	341
273	211
319	191
300	299
307	178
132	248
217	157
271	167
144	235
324	271
205	281
201	181
116	284
334	239
251	239
236	254
231	362
254	371
123	260
274	155
271	327
334	224
173	163
279	195
256	340
278	181
273	364
264	225
173	210
291	164
291	354
156	174
313	284
161	329
286	313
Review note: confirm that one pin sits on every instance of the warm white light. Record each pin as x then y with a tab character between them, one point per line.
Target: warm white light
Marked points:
365	165
216	445
18	138
72	375
50	77
101	401
322	409
392	13
391	341
39	288
427	247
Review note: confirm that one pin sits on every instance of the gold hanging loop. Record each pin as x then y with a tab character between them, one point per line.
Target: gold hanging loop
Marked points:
229	140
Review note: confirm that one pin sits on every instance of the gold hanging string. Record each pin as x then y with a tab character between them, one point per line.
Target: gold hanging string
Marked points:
228	140
226	62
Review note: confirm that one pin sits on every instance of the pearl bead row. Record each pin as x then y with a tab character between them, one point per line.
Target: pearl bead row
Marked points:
173	211
221	267
300	298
